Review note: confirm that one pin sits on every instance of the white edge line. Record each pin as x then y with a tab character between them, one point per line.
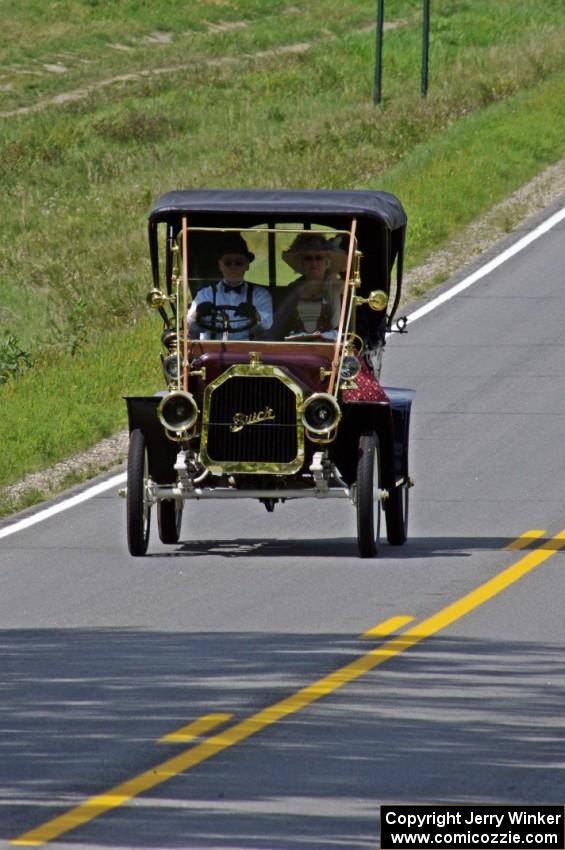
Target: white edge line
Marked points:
116	480
90	493
488	267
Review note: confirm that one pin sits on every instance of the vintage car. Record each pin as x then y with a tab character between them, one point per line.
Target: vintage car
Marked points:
273	381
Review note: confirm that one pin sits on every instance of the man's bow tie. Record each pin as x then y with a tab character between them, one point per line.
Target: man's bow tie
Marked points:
238	288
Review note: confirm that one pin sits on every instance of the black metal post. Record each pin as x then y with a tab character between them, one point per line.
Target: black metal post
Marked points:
425	49
379	51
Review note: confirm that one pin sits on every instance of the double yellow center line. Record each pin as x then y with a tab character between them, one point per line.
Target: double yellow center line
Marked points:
244	729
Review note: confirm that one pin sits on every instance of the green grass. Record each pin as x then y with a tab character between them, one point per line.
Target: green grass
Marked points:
64	405
486	156
208	105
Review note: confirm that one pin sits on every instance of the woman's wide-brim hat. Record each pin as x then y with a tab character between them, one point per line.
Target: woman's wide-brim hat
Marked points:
313	243
234	243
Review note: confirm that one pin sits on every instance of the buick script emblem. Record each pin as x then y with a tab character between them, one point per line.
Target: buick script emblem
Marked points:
240	420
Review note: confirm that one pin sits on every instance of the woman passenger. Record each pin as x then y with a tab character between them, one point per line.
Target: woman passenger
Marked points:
313	301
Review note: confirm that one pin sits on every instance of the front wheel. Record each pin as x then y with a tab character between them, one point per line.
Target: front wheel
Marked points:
138	506
396	512
368	497
169	519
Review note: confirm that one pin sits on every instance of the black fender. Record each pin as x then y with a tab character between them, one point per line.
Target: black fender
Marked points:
162	452
401	406
390	421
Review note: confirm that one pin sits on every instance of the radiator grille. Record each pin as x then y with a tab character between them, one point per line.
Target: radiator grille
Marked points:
273	440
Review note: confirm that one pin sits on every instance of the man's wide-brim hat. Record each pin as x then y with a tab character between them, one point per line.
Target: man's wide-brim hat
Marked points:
234	243
313	243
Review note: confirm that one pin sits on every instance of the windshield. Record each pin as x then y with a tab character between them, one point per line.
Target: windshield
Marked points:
270	282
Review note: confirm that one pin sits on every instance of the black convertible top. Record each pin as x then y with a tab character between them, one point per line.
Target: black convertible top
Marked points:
380	206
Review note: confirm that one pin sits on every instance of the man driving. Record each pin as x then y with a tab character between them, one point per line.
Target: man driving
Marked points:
231	308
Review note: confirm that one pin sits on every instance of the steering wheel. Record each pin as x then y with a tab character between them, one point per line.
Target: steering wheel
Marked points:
245	323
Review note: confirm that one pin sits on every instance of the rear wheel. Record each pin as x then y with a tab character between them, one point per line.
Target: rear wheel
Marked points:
396	512
169	519
368	501
138	506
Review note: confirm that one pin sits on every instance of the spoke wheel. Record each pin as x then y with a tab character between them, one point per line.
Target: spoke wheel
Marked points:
368	503
396	512
169	520
138	507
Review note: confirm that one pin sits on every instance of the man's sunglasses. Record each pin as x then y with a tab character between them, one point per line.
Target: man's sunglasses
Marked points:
308	258
235	261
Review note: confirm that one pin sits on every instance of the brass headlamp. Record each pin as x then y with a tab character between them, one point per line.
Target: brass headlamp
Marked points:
178	411
377	300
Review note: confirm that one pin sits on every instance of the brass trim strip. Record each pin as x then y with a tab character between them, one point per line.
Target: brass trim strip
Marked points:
344	316
185	302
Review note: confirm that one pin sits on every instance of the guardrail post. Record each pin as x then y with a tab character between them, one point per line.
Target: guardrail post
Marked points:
425	48
379	51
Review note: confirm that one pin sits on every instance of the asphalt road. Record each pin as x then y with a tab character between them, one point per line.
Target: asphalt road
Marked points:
102	654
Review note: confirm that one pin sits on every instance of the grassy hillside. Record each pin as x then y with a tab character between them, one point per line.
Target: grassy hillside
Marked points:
105	104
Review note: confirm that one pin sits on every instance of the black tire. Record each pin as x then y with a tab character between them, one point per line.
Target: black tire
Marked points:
396	512
368	508
169	520
138	510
